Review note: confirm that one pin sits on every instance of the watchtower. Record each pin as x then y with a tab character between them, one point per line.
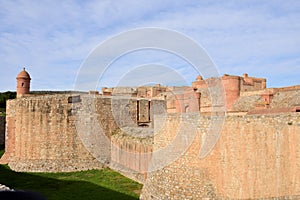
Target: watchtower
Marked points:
23	83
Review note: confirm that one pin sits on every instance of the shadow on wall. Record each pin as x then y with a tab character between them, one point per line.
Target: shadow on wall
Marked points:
2	129
2	147
57	189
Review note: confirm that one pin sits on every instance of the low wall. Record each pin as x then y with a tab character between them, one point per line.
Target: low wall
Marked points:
256	157
131	154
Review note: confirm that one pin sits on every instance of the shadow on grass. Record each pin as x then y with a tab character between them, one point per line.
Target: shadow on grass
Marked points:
2	147
57	189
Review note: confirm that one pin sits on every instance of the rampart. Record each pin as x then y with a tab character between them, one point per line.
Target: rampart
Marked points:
256	157
53	133
41	136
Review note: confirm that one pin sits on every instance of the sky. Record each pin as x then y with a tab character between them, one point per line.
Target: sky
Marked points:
53	40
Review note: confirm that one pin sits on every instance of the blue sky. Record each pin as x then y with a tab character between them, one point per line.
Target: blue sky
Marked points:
52	39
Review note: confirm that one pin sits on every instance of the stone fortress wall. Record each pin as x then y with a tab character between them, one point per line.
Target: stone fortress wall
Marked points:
256	156
252	149
41	136
46	133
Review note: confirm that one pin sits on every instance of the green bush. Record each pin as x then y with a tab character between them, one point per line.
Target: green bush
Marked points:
3	97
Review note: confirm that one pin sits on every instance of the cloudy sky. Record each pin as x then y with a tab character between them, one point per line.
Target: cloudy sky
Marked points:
53	39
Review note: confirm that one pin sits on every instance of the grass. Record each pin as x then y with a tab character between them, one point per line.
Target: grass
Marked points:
91	184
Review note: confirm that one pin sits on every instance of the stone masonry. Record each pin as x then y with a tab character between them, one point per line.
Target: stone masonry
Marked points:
52	133
41	137
256	157
140	131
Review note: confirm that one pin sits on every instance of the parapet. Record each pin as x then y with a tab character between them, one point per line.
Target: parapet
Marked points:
227	76
252	83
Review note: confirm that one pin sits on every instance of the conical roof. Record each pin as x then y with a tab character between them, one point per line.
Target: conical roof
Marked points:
23	74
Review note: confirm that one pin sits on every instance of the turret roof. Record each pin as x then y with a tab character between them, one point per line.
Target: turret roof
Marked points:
23	74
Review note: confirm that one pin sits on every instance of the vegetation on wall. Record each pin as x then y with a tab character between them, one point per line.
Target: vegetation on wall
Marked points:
3	97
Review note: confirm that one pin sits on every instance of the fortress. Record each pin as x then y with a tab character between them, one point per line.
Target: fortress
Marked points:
227	138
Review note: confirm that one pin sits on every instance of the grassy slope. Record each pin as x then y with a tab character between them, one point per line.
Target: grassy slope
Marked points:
92	184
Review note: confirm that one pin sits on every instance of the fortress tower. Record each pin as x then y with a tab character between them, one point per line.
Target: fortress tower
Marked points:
23	83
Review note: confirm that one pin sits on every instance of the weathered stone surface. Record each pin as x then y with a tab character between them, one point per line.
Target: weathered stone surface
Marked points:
41	136
256	157
131	151
52	133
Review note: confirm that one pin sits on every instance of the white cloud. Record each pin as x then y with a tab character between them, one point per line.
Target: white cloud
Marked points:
52	38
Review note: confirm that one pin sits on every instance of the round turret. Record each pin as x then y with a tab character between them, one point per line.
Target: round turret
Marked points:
232	89
23	83
199	78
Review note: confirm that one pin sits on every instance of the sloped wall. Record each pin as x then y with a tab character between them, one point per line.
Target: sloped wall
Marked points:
256	157
41	136
64	132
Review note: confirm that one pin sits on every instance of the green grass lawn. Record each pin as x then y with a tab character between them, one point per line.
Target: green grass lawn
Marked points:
92	184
